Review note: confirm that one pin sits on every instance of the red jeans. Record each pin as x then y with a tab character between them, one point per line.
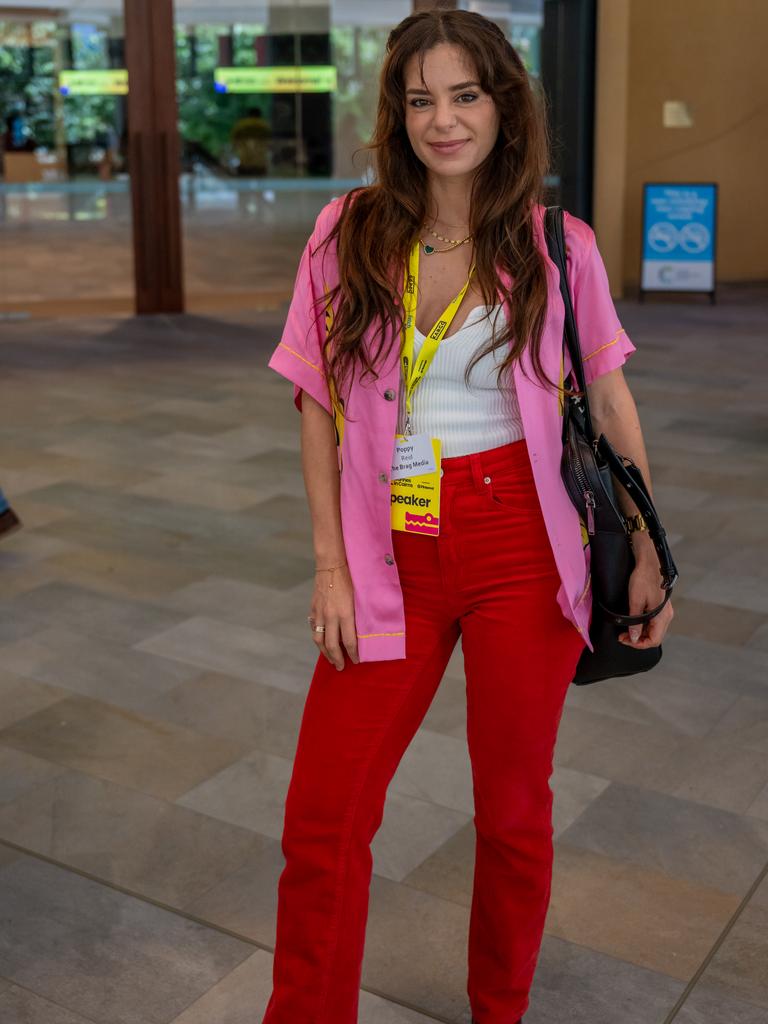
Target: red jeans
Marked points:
490	577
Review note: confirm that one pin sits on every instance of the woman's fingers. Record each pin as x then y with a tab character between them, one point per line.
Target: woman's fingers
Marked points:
332	642
349	637
654	630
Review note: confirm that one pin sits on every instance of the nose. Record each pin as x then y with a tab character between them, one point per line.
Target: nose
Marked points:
445	116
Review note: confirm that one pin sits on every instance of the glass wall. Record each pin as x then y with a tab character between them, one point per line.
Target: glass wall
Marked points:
64	197
275	99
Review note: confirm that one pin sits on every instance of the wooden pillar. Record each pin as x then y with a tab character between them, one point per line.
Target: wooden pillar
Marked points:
153	147
611	128
428	5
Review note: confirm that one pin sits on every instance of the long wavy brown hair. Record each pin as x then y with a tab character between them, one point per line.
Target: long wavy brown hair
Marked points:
379	222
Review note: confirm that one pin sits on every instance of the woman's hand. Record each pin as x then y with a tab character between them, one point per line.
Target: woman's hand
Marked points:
333	607
645	593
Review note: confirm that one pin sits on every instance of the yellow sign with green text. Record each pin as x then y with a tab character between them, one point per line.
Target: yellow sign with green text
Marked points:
306	78
113	82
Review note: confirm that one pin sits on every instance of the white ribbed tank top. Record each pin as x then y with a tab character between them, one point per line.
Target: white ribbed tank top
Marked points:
466	419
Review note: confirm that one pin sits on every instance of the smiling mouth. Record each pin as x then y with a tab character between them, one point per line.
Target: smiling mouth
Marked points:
448	147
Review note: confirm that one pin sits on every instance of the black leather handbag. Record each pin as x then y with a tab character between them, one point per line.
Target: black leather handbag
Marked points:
590	468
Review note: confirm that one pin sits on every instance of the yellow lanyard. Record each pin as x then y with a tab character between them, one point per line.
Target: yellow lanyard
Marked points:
413	372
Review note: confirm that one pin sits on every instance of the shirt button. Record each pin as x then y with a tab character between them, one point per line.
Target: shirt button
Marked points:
389	394
389	559
486	479
383	477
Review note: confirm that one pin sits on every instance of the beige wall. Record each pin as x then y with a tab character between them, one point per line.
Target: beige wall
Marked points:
711	54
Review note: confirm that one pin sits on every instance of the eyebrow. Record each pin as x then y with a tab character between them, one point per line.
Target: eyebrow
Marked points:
452	88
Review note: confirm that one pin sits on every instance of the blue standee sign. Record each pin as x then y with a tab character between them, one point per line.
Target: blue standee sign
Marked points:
679	233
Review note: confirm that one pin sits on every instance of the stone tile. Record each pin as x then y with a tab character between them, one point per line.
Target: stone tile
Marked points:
35	515
157	758
721	623
101	953
22	578
739	968
612	748
436	768
410	832
15	624
245	901
212	494
680	838
119	572
416	949
740	671
759	639
20	772
739	591
707	1006
92	612
253	714
234	650
713	770
745	724
247	988
242	603
759	806
93	668
640	916
20	1006
249	793
657	698
143	844
240	994
573	793
582	986
448	871
27	547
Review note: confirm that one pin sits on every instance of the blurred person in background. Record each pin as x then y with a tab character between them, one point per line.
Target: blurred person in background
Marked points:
250	139
8	518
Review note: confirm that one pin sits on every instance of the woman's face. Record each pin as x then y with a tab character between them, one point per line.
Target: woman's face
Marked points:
451	123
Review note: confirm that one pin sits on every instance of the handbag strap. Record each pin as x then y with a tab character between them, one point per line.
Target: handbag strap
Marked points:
626	472
555	230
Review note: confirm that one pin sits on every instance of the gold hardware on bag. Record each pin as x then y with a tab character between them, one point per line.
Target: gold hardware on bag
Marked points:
635	523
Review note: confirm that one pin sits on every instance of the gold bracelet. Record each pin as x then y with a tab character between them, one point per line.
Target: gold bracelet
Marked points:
331	569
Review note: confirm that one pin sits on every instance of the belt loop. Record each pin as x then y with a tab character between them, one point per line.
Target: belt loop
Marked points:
476	462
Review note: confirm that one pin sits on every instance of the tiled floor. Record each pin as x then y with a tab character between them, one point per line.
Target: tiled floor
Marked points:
154	660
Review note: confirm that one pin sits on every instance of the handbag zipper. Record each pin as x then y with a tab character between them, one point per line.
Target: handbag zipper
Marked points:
587	494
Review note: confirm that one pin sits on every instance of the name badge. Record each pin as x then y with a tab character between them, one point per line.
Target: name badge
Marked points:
413	456
415	484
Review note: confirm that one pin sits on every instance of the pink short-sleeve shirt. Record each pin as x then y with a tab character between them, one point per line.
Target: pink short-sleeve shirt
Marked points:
371	420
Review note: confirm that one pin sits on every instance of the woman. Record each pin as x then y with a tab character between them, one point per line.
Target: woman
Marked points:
492	548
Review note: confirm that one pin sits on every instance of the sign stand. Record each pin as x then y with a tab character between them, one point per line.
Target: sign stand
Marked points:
679	237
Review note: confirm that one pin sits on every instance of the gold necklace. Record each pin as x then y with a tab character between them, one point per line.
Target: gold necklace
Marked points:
455	243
